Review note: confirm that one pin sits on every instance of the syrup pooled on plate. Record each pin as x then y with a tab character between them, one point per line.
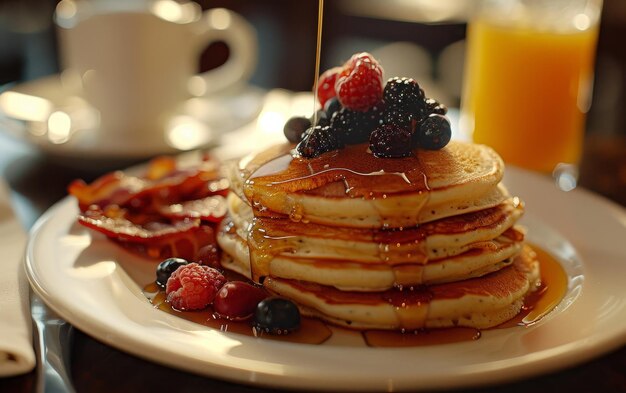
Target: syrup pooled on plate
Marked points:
537	304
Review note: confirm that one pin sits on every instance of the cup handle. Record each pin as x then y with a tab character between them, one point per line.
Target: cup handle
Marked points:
220	24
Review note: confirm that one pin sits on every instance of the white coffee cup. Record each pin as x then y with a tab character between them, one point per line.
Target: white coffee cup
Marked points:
136	61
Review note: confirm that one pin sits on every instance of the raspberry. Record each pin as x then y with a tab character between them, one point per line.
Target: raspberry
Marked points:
352	127
318	140
404	93
193	286
360	84
326	85
391	141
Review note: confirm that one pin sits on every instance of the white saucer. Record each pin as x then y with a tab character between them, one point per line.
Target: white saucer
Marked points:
52	116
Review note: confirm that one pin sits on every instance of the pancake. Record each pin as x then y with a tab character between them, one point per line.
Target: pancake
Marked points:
480	259
352	188
478	302
406	243
436	239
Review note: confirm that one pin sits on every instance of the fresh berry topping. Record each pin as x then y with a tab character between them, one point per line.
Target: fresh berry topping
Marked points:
209	255
434	132
354	127
391	141
331	107
238	300
276	315
318	140
295	127
401	117
404	93
360	84
166	268
326	85
193	287
433	106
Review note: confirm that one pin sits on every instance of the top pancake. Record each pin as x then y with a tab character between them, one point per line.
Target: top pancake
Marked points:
352	188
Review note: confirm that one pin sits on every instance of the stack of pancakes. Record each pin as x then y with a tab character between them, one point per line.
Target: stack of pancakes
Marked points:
405	243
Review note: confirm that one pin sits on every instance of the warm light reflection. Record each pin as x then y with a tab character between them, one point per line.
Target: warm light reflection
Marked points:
24	107
175	12
59	127
303	105
582	22
220	19
565	176
71	80
94	270
65	12
276	111
270	121
186	133
197	86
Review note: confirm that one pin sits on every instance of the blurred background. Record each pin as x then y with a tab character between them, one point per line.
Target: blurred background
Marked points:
427	37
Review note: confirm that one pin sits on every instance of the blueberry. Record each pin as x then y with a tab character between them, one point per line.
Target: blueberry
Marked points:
332	106
434	132
295	127
277	315
166	268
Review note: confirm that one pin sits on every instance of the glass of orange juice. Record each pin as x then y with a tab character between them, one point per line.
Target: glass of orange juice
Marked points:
528	79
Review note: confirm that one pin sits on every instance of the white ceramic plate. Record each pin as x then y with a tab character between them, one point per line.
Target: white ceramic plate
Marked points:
91	283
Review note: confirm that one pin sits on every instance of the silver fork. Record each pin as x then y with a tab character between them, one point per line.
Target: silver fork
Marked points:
52	338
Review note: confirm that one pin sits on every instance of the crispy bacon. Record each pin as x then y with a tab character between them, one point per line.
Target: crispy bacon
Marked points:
212	208
166	211
162	183
181	238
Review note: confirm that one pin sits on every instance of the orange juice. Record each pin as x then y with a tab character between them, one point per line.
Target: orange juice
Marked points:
527	91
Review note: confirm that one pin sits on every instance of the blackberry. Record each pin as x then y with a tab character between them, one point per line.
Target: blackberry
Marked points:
333	105
434	132
404	93
354	127
401	117
295	127
434	106
318	140
391	141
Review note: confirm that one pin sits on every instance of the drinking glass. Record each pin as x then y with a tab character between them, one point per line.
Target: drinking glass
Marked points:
528	79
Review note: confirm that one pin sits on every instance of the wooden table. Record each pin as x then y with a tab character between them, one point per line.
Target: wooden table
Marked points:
37	183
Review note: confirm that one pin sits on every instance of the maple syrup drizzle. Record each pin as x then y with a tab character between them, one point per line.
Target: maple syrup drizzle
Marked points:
318	55
554	283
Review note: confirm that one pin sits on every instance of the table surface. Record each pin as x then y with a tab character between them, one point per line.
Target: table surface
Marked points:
37	182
